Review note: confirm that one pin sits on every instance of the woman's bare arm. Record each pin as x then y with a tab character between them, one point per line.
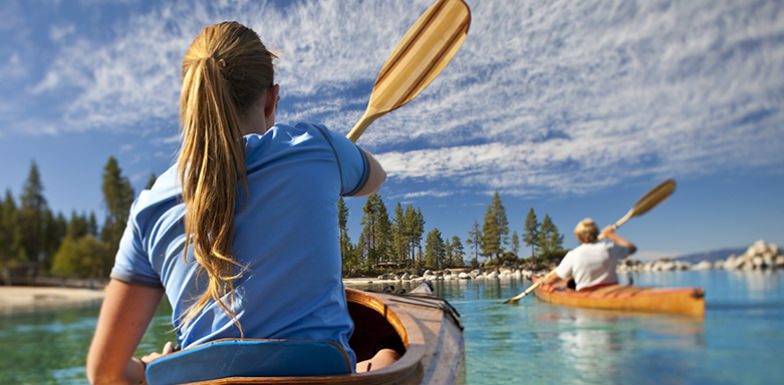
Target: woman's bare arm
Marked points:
125	314
376	176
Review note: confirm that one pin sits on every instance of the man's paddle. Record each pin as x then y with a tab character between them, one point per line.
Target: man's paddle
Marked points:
657	195
648	201
424	51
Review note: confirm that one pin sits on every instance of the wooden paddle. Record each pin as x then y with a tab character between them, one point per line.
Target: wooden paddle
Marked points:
648	201
419	57
657	195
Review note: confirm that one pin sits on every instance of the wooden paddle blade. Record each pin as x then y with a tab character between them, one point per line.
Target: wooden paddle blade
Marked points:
653	198
423	52
420	56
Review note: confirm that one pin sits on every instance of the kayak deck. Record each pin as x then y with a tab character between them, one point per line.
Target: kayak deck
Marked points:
426	329
690	301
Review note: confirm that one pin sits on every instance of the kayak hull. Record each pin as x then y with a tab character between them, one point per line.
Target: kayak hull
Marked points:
426	328
689	301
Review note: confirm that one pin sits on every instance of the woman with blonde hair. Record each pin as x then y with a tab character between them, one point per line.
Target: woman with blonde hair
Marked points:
241	234
592	263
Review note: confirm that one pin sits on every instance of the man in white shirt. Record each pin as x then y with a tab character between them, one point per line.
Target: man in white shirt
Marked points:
592	264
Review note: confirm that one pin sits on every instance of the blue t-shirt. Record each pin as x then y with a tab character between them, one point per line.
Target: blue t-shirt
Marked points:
285	233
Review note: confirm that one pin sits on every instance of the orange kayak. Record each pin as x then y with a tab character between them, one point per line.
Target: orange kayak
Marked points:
689	301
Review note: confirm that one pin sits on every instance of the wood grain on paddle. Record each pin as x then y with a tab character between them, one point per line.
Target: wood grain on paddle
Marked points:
424	51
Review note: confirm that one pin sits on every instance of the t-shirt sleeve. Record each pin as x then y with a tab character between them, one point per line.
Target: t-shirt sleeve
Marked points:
131	264
618	252
354	167
564	269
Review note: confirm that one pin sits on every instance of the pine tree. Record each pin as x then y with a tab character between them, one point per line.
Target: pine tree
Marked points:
343	226
151	181
434	250
415	226
457	252
78	226
10	236
92	225
495	228
419	232
118	197
448	254
515	244
474	240
32	219
400	234
531	234
549	238
367	238
375	236
55	233
383	231
347	249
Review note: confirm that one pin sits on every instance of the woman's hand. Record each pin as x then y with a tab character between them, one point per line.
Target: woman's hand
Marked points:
168	348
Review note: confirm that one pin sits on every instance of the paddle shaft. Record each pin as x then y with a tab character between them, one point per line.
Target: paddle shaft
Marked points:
361	125
531	288
517	298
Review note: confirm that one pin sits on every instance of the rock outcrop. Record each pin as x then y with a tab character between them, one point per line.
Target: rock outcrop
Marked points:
759	256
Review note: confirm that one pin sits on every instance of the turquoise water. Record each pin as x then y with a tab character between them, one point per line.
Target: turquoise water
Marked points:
740	340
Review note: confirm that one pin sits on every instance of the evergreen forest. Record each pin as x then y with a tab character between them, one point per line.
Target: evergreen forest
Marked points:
35	241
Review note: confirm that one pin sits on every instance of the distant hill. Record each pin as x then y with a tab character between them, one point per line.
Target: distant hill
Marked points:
711	256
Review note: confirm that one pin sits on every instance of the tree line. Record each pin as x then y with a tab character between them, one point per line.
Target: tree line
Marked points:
385	244
36	241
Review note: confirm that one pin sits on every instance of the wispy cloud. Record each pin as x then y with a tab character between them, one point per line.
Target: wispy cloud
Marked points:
550	96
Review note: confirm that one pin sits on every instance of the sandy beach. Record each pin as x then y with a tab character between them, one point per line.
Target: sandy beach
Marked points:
22	299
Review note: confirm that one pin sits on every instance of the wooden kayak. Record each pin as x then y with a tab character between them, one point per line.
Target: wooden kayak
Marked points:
427	329
690	301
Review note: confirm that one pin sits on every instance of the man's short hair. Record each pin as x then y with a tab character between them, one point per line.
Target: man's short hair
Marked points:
586	231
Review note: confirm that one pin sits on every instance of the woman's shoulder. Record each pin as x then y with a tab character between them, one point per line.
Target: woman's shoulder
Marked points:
165	192
282	137
165	184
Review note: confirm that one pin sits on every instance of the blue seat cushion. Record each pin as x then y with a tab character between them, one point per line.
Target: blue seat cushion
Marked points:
249	358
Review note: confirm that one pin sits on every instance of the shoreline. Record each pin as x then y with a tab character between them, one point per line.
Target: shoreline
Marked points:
31	299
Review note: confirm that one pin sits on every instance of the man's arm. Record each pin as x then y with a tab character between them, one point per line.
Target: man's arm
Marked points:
609	233
551	278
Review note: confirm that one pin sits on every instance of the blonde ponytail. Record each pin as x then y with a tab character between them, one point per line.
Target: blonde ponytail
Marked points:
223	73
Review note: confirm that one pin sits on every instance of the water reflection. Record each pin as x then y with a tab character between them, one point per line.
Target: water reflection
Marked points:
612	346
543	342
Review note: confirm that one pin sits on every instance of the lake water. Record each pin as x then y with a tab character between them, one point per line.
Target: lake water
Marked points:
740	340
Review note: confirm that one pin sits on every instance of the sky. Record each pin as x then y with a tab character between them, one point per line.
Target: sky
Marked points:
573	108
